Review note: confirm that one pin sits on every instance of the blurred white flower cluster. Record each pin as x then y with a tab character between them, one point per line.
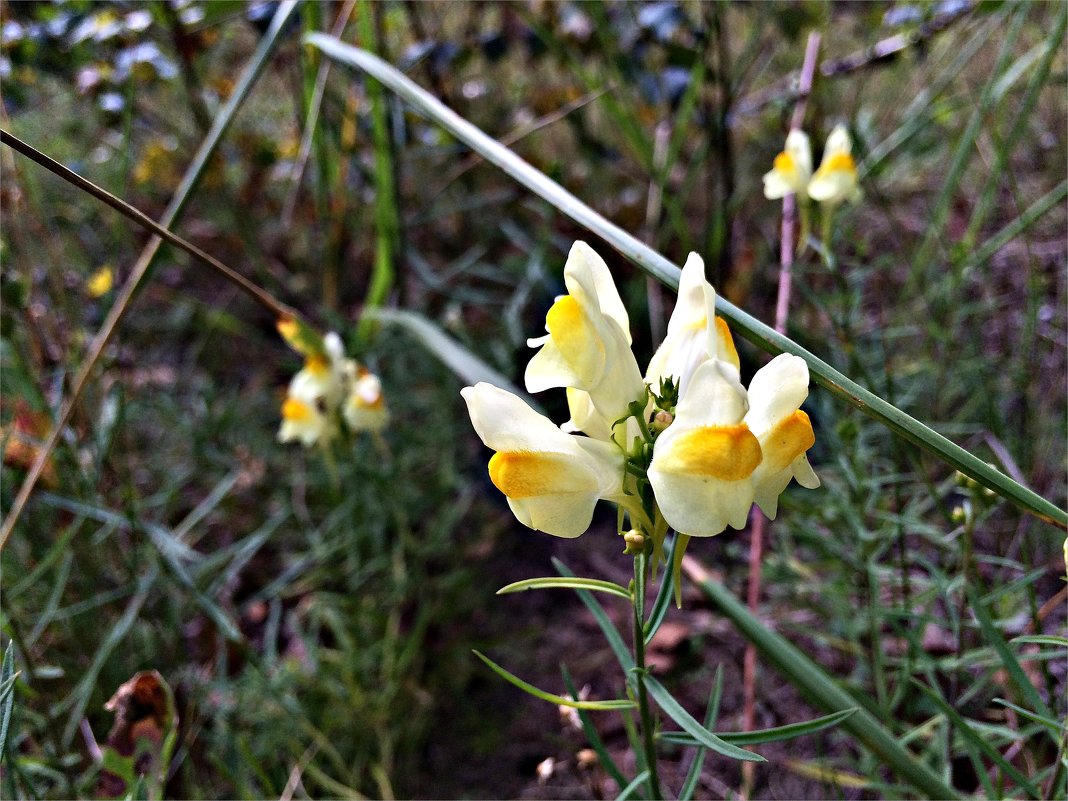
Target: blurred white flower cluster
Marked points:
833	182
329	390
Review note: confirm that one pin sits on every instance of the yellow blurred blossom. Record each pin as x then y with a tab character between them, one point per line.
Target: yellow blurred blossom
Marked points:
100	282
792	169
836	178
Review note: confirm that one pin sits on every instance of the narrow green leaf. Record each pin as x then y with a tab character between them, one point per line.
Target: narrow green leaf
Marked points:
977	740
689	787
660	268
611	633
559	700
1041	639
673	709
787	732
823	691
629	790
665	594
548	583
1054	727
7	695
452	354
1008	658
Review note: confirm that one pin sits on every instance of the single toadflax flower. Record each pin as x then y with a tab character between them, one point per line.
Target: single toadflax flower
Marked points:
792	169
552	479
836	178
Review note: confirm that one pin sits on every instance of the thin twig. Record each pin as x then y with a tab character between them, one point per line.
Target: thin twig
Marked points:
782	310
257	293
878	54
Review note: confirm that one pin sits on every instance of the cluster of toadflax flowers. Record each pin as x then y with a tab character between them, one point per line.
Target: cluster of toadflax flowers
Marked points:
328	389
833	182
685	445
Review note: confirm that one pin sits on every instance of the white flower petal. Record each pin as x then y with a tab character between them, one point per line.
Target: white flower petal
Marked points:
506	423
586	270
702	466
585	417
836	178
778	389
588	348
792	168
715	397
552	480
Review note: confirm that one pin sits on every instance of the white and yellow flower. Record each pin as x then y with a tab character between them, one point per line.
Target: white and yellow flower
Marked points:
552	479
784	431
323	374
703	463
588	344
365	408
836	178
792	168
694	333
328	388
304	421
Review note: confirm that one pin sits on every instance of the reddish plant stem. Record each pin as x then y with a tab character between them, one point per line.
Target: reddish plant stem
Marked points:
782	308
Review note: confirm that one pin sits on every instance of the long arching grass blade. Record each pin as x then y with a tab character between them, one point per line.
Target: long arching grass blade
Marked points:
774	735
660	268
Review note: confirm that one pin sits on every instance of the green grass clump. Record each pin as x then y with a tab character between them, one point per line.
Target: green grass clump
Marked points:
313	621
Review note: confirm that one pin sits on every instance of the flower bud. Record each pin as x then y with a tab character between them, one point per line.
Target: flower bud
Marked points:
635	541
661	420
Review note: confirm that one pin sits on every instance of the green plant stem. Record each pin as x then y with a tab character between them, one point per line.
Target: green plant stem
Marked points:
647	724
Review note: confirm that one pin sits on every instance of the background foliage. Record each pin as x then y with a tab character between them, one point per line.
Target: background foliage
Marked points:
317	629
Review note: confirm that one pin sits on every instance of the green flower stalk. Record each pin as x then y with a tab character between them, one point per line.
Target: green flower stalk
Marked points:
684	447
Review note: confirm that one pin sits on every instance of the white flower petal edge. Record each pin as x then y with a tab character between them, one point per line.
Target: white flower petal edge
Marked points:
588	344
785	433
703	462
552	480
